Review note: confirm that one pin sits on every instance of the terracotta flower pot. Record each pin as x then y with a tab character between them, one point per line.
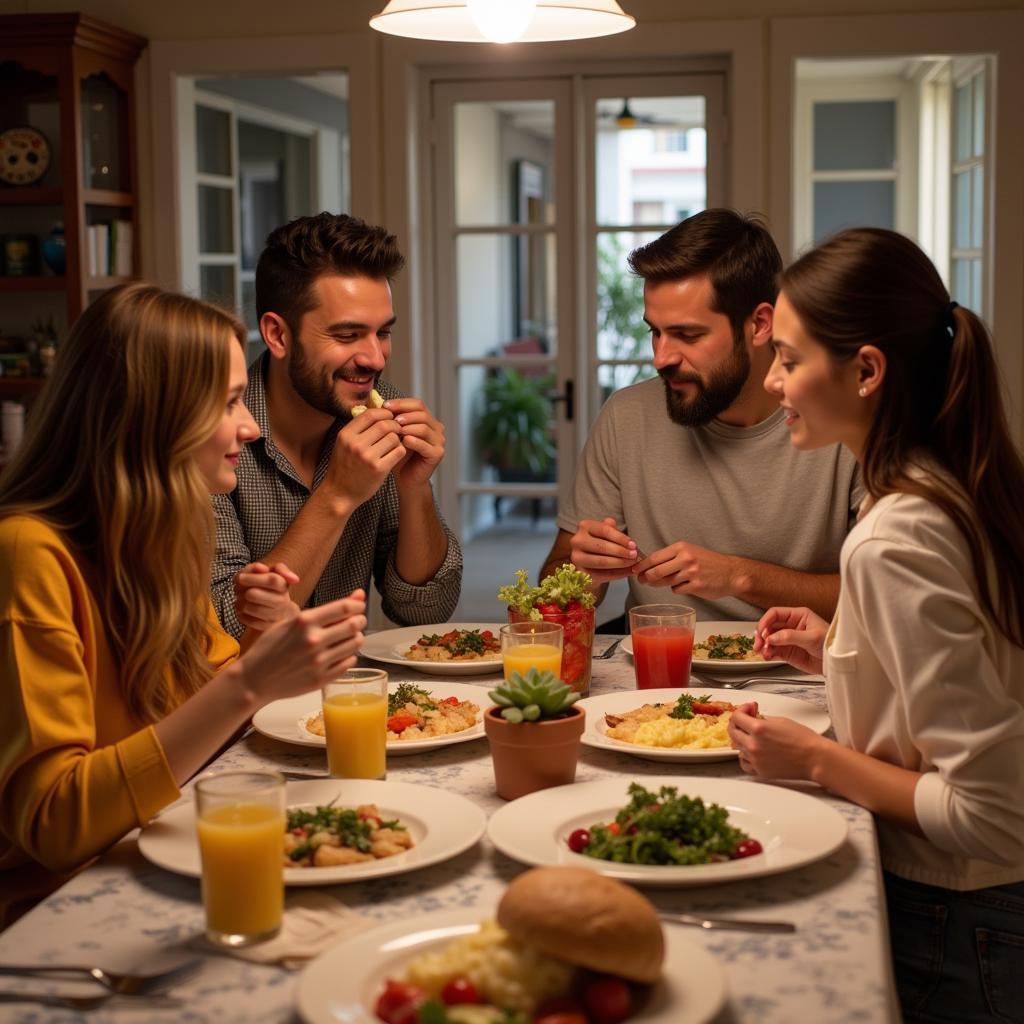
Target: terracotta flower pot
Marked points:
533	755
577	644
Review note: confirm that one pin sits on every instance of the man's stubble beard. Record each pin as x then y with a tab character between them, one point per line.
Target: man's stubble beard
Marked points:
714	396
315	389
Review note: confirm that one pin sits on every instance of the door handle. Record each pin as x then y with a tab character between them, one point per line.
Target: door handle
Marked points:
567	396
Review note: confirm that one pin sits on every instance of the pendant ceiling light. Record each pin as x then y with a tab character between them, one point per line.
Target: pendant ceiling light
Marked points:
502	21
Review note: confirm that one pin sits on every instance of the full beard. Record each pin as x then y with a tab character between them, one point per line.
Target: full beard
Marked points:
713	396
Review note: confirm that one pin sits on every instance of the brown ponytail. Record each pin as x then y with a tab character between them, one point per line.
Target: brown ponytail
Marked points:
941	396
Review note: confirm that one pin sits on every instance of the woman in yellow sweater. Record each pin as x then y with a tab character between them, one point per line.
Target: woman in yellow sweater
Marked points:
116	681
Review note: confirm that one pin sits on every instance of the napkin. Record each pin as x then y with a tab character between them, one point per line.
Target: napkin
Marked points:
313	921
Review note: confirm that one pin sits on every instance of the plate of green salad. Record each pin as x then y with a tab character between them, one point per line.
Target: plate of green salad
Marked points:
669	830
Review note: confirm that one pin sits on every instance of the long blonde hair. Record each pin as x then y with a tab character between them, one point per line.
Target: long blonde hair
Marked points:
941	396
108	461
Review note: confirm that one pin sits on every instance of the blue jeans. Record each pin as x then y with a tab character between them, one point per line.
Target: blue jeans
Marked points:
959	956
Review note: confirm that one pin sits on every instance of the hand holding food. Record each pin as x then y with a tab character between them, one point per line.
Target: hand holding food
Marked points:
365	450
568	945
795	635
262	595
423	437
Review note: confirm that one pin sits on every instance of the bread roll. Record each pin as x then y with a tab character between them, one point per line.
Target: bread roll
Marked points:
375	400
586	919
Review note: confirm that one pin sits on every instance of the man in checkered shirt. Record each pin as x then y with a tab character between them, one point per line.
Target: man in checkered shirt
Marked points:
336	498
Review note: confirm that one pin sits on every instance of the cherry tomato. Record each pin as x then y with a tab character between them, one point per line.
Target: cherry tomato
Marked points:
748	848
607	1000
398	1002
458	991
400	722
453	701
579	840
614	828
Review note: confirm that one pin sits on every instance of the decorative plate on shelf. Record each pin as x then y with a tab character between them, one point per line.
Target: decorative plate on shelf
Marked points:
24	155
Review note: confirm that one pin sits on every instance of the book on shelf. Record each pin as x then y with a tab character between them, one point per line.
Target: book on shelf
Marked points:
110	249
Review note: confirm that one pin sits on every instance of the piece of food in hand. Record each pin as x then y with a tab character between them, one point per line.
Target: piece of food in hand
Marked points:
665	829
568	945
375	400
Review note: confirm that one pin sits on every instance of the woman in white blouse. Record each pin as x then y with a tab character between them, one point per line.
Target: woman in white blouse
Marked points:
924	662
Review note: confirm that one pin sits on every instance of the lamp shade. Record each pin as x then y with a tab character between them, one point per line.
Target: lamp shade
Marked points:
452	20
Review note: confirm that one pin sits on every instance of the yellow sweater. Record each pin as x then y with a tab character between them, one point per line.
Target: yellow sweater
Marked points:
76	770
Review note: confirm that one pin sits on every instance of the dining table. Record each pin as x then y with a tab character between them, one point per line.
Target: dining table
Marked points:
124	912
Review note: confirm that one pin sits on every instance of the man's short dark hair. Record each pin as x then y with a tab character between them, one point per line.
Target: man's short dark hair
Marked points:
297	253
737	253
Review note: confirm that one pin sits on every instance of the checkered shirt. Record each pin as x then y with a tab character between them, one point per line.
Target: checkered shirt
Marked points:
253	517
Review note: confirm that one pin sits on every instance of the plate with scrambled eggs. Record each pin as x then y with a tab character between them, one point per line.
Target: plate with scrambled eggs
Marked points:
682	725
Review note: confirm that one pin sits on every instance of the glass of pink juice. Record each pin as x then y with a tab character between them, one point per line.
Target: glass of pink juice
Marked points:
662	637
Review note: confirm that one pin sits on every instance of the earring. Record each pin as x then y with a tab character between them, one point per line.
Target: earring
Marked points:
863	392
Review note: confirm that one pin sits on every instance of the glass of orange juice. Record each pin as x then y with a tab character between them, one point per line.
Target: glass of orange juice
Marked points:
526	645
662	636
240	818
355	724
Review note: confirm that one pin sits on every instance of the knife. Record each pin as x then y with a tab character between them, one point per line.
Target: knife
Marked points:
734	924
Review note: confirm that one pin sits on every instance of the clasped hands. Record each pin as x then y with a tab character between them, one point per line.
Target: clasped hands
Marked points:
607	554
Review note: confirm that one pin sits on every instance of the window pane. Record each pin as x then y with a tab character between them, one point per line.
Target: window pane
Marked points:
621	331
961	290
511	425
216	223
843	204
976	300
213	141
962	135
855	136
979	115
612	378
504	162
977	207
217	284
506	290
962	210
656	162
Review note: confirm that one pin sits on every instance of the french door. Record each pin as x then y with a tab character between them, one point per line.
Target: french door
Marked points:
541	187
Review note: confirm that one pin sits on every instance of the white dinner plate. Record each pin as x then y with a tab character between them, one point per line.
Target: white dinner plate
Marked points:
389	646
343	983
442	825
794	828
594	735
285	719
702	630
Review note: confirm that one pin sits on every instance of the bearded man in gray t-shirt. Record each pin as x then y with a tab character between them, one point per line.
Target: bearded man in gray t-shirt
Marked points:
688	486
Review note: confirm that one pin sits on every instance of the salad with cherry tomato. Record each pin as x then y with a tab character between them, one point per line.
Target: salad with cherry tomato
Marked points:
664	828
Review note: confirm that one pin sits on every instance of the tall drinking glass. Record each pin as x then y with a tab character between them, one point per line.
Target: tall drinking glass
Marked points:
526	645
662	637
355	724
240	818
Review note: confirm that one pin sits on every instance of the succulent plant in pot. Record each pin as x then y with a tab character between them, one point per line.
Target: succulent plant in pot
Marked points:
534	730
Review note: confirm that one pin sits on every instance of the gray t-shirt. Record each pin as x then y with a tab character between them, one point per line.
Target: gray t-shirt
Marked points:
735	490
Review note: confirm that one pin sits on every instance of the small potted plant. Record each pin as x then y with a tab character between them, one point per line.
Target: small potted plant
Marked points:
564	597
534	730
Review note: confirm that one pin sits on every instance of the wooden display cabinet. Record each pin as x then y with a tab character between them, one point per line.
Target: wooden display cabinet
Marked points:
71	77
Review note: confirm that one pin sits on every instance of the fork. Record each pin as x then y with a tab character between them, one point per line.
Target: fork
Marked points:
742	684
89	1002
609	650
118	983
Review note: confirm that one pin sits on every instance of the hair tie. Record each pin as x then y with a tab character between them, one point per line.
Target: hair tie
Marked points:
949	321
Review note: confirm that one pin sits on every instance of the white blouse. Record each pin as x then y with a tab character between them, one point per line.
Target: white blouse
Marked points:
918	675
